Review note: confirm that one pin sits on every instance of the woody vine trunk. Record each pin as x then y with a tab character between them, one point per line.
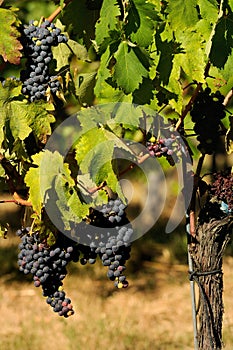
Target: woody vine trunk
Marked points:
213	232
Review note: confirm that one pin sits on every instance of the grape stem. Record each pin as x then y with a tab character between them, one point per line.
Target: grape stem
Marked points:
58	11
228	98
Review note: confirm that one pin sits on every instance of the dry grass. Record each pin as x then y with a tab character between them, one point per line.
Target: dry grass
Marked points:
153	313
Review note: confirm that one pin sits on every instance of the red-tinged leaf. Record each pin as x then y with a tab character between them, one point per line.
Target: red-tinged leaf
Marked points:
10	45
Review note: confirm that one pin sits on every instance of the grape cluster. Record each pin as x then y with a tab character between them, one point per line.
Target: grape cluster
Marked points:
113	210
11	78
222	188
47	264
168	147
37	41
113	242
206	113
114	251
48	267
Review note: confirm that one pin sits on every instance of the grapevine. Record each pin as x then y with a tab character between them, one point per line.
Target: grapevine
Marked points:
93	91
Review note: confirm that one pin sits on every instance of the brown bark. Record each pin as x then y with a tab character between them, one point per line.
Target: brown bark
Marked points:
213	232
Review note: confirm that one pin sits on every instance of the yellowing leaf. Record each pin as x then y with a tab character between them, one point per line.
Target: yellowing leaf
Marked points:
10	45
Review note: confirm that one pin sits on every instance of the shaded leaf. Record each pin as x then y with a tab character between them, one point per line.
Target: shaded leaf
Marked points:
81	20
107	22
141	22
63	53
84	87
222	41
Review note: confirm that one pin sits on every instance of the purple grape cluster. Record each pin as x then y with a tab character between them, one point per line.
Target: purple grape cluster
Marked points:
222	188
47	266
114	250
37	41
113	210
206	113
168	147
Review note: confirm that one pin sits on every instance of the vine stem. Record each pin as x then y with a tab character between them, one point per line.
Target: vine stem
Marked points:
192	99
228	98
193	199
188	106
21	201
58	11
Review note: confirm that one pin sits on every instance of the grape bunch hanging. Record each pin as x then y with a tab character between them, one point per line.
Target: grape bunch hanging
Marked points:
222	188
169	147
206	113
47	264
37	41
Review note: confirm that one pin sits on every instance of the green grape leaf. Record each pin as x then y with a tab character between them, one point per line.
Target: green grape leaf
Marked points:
209	10
222	41
192	41
130	67
79	209
72	210
80	20
107	21
32	181
41	178
89	118
141	22
10	90
225	74
94	154
10	45
145	92
103	73
78	50
21	116
86	185
174	87
17	113
167	49
105	92
127	115
84	87
63	53
86	145
182	14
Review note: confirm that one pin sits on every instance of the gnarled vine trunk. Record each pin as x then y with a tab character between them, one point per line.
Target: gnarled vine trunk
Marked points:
212	236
